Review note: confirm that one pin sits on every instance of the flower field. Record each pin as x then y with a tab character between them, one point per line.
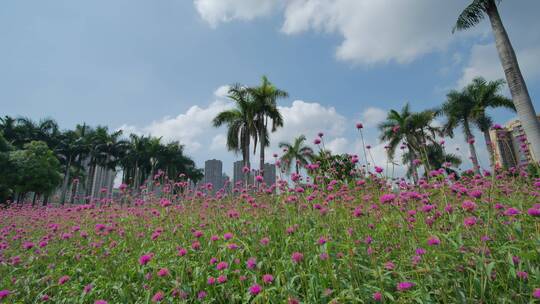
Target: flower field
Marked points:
476	240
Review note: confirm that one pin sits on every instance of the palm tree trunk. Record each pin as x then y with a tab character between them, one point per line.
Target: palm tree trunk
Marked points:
514	78
65	182
489	147
261	158
297	169
472	149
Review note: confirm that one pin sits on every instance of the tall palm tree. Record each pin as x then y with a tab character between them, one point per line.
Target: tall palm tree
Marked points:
438	158
265	99
297	152
470	17
240	122
459	111
398	130
486	94
69	148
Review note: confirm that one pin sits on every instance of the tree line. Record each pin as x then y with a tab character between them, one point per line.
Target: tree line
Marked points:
38	157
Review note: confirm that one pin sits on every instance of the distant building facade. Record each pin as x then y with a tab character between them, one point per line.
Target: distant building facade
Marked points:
510	145
269	174
213	173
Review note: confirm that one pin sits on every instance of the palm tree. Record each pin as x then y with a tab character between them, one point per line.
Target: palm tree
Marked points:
69	148
265	99
438	158
470	17
297	152
459	111
398	130
240	122
485	94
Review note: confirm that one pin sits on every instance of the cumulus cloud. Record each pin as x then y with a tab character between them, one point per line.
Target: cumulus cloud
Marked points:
372	116
308	118
484	61
373	31
219	11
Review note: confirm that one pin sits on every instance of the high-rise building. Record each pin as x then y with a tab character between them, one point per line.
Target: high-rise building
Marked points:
239	175
213	173
510	145
269	174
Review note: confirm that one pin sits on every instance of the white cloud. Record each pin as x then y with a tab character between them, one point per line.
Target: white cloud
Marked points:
373	31
377	31
372	116
339	145
309	118
191	128
219	142
484	61
222	91
218	11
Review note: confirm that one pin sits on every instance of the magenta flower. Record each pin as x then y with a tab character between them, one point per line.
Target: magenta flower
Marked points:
468	206
163	272
100	302
433	241
145	258
158	296
255	289
387	198
222	279
403	286
63	280
268	278
228	236
359	125
536	293
222	266
4	293
251	263
297	257
377	296
211	281
469	221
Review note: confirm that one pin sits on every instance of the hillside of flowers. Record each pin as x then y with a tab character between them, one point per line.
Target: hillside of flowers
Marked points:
313	240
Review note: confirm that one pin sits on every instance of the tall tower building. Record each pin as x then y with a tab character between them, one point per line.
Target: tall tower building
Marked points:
269	174
213	173
510	145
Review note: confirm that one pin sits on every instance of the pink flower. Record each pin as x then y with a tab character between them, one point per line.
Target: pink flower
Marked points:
533	211
377	296
28	245
468	206
222	266
251	263
267	278
145	258
403	286
387	198
88	288
522	275
469	221
222	279
63	280
536	293
163	272
378	169
265	241
182	252
359	125
100	302
317	141
227	236
158	296
259	178
211	281
511	212
297	257
255	289
433	241
4	293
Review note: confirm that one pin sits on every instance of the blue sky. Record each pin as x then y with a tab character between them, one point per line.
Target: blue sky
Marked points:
157	66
